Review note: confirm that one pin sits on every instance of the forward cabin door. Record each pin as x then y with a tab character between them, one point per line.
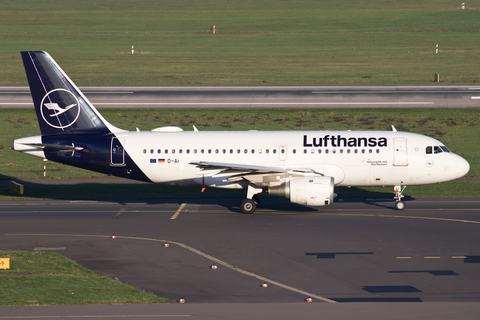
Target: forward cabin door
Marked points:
400	152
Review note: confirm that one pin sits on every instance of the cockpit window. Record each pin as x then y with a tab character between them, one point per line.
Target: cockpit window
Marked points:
436	149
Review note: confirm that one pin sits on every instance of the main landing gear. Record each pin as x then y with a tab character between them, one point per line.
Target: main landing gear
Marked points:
399	204
250	204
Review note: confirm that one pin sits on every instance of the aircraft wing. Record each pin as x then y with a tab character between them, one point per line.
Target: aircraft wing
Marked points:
232	167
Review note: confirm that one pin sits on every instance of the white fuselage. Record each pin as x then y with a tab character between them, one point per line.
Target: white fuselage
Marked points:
352	158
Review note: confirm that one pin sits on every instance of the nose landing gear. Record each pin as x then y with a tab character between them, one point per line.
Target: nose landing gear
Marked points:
397	191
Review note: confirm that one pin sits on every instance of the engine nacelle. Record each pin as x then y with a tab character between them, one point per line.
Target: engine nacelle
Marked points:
309	191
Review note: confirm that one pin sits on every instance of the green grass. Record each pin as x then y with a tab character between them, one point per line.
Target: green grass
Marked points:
44	278
264	42
457	128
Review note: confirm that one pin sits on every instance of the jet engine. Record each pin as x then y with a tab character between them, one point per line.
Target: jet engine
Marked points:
309	191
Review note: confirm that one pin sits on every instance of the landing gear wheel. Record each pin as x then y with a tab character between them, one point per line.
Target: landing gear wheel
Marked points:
399	205
397	191
248	206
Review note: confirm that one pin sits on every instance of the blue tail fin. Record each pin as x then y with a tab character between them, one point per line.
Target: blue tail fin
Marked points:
61	107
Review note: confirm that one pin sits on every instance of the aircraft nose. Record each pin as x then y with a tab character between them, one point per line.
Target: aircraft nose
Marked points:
461	167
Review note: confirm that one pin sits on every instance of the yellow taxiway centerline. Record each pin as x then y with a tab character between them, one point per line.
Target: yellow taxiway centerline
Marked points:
178	211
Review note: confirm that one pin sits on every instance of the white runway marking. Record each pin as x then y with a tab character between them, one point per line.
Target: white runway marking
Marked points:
261	103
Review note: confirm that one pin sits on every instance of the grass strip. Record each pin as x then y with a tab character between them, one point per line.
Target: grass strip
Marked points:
263	42
48	278
456	128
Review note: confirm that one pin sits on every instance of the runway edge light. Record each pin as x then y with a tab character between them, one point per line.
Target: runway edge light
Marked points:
5	263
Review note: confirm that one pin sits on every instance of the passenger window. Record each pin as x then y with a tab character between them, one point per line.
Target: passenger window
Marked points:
341	151
267	151
274	151
151	150
188	151
159	151
326	150
348	150
356	151
173	151
231	150
202	151
294	151
378	150
305	151
144	150
245	151
319	151
253	151
195	151
180	151
370	151
209	151
238	150
166	151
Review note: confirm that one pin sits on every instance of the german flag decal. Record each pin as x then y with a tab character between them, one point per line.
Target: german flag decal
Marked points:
161	160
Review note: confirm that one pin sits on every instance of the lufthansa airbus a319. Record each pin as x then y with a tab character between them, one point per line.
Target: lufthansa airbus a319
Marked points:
303	166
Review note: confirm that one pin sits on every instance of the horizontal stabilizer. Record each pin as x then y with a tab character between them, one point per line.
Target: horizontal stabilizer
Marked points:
53	147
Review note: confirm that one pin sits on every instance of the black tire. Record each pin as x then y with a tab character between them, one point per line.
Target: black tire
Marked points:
399	205
248	206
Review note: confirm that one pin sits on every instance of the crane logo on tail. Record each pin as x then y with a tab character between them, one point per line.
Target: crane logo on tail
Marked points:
60	108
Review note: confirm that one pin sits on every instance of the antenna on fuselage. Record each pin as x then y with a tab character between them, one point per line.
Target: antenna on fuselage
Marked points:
393	129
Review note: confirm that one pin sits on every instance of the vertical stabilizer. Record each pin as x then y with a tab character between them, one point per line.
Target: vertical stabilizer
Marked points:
61	107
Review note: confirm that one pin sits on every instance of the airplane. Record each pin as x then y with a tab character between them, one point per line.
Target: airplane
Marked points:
302	166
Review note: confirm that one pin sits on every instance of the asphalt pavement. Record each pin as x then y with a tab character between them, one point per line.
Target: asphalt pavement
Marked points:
353	258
